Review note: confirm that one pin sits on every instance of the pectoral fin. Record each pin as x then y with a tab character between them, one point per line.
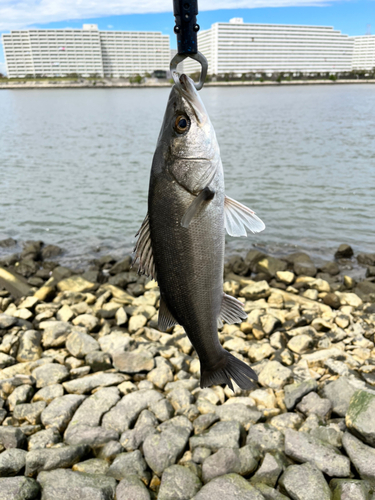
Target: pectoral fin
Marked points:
166	320
232	310
143	251
205	195
238	218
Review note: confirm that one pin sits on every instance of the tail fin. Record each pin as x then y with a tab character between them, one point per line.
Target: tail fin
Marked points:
231	368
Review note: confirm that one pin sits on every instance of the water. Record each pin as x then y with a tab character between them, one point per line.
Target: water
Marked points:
74	164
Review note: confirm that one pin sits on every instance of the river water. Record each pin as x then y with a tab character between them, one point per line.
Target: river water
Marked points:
74	165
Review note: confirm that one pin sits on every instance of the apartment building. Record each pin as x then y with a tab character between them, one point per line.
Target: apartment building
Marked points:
364	52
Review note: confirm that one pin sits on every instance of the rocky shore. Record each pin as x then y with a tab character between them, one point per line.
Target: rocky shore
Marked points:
97	404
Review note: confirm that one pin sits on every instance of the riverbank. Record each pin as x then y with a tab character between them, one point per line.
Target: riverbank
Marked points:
52	84
96	402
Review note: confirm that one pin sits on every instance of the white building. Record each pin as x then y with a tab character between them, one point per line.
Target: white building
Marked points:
85	52
364	52
238	47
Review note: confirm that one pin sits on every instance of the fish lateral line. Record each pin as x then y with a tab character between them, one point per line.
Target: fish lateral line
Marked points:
206	194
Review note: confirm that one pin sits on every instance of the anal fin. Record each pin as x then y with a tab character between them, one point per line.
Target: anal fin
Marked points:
238	218
143	251
166	319
232	310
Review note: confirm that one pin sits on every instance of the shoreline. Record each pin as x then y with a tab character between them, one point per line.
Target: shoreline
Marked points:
107	84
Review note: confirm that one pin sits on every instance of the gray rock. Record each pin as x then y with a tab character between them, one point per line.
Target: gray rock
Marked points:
350	489
90	382
12	437
200	454
269	472
224	461
59	413
133	361
220	435
286	421
79	344
313	404
98	361
72	485
163	410
240	413
48	374
92	436
92	466
178	483
270	493
339	392
29	347
53	458
11	462
7	321
160	376
344	252
132	488
255	291
21	394
109	451
29	412
328	435
265	438
229	486
305	448
49	393
274	375
361	455
360	416
115	342
122	416
180	398
305	482
205	421
87	321
179	421
19	488
305	268
43	439
164	449
295	392
6	360
129	463
55	333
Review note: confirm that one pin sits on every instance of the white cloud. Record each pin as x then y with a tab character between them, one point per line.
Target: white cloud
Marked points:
16	14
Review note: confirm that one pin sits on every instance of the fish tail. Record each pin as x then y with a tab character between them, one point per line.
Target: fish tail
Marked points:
230	368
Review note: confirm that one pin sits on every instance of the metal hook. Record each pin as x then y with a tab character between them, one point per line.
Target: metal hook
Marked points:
198	57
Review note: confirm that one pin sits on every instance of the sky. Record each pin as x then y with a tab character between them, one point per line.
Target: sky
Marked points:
352	17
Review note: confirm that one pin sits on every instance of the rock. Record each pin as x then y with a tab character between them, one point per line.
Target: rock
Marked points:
270	493
49	393
332	300
7	242
265	438
163	410
258	352
270	266
255	291
55	333
53	458
14	283
129	463
65	313
160	376
339	392
295	392
91	382
12	461
43	439
136	322
164	449
7	321
79	344
344	252
240	413
305	448
12	437
134	361
220	435
330	268
305	482
205	421
224	461
286	421
313	404
19	488
229	486
178	483
92	466
49	374
72	485
29	412
359	418
87	321
132	488
274	375
269	472
75	284
121	317
61	410
50	251
180	398
367	259
362	456
349	299
248	460
29	347
21	394
306	268
300	343
94	437
364	289
285	277
350	489
115	342
98	361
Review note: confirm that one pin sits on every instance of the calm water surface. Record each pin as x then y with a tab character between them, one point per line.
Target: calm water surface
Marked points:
74	165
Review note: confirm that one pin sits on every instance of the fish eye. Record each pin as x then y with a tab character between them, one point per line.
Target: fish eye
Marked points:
182	124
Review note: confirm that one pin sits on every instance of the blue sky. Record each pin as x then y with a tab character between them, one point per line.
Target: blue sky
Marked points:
349	16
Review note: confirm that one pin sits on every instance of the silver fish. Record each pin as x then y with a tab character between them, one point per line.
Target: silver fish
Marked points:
181	241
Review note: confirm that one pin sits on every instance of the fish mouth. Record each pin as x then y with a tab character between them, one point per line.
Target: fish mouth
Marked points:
186	88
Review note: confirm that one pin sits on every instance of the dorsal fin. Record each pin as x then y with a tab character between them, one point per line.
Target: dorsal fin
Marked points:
143	251
232	310
166	319
238	218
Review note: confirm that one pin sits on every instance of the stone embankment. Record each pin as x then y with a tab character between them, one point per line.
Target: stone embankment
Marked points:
97	404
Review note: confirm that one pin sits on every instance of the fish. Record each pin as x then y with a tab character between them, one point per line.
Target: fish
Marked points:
181	241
